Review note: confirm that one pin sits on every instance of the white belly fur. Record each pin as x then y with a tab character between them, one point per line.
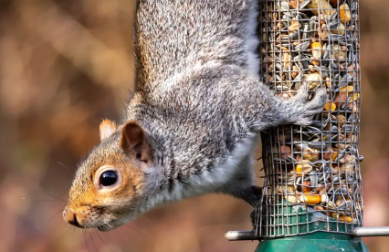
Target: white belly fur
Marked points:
209	182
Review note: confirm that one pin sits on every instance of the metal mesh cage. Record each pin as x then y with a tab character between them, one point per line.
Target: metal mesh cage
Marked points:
312	176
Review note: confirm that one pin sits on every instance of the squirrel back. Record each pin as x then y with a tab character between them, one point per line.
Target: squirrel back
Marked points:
172	36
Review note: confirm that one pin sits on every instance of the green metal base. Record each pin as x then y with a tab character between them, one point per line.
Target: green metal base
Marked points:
315	242
290	220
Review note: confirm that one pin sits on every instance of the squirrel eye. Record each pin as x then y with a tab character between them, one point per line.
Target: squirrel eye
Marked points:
108	178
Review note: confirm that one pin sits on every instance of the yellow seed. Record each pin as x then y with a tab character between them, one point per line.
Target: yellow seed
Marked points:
347	219
299	168
311	199
320	5
347	89
330	106
305	167
344	13
354	97
316	50
306	198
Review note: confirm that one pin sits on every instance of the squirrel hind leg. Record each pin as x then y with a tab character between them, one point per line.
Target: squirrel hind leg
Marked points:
242	186
252	195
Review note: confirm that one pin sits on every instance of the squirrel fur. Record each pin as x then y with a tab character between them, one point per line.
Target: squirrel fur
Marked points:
192	126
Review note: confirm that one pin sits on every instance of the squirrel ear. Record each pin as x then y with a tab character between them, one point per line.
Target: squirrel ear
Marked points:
133	136
107	127
134	142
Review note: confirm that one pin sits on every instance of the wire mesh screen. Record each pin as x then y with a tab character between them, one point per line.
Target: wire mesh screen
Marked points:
312	175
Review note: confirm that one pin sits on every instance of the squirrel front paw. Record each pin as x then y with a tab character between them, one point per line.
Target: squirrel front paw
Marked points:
308	108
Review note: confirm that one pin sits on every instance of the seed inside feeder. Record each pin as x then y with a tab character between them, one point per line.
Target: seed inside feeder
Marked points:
316	166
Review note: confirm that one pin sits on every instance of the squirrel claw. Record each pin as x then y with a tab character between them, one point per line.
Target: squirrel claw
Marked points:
312	107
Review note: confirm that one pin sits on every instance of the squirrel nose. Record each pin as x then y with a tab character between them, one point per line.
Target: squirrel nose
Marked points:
71	218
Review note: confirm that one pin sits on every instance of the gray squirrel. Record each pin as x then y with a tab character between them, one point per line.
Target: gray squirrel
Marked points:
193	123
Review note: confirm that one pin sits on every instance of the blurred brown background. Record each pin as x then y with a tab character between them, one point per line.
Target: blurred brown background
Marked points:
64	66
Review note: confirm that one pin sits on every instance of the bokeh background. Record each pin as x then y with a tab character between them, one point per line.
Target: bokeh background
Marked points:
67	64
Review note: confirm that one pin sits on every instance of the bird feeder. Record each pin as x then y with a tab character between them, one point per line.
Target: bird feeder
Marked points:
312	192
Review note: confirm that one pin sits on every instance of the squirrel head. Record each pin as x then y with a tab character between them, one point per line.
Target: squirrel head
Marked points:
109	186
